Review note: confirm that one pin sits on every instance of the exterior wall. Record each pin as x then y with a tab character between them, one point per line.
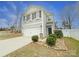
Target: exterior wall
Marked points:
49	23
32	31
46	24
43	24
74	33
32	28
37	25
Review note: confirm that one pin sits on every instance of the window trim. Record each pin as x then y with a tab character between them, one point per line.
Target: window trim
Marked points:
28	17
34	15
40	13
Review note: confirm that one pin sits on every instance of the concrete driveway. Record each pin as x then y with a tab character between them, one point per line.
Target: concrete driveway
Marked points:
9	45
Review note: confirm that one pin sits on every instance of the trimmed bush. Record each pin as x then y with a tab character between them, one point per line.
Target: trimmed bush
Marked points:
52	35
35	38
58	33
51	40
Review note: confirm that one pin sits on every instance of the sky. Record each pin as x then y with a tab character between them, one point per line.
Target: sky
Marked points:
10	11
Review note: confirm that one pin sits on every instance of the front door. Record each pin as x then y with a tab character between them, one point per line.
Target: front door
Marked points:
49	30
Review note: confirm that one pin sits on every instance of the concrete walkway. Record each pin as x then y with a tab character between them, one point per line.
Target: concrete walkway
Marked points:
9	45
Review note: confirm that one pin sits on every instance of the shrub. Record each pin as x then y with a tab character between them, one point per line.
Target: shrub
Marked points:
52	35
35	38
58	33
51	40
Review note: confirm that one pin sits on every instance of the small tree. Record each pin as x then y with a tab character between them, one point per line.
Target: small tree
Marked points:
52	35
58	33
35	38
51	40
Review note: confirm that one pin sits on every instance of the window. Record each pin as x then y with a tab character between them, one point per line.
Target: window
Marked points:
40	14
28	17
49	19
24	18
33	15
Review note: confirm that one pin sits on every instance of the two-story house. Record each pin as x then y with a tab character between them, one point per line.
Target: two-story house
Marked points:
37	21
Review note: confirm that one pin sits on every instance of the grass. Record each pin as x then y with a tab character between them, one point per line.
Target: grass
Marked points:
7	35
72	45
37	50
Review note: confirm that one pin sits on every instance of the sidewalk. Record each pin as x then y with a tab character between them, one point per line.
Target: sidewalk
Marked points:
10	45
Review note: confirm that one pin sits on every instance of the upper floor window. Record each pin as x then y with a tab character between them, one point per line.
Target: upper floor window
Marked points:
49	19
40	14
34	15
24	19
28	17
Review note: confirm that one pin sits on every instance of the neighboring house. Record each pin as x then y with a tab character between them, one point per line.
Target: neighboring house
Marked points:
37	21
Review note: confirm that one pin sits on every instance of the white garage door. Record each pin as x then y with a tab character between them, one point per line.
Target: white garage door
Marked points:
32	31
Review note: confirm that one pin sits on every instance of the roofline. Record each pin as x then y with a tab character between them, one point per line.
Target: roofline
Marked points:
40	8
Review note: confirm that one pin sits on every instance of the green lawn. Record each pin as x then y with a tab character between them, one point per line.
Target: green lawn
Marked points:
72	45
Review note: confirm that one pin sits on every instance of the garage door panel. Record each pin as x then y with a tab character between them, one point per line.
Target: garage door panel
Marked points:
32	31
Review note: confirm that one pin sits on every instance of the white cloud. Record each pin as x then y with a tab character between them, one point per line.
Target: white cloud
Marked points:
11	14
4	9
24	5
13	6
13	18
3	23
2	20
